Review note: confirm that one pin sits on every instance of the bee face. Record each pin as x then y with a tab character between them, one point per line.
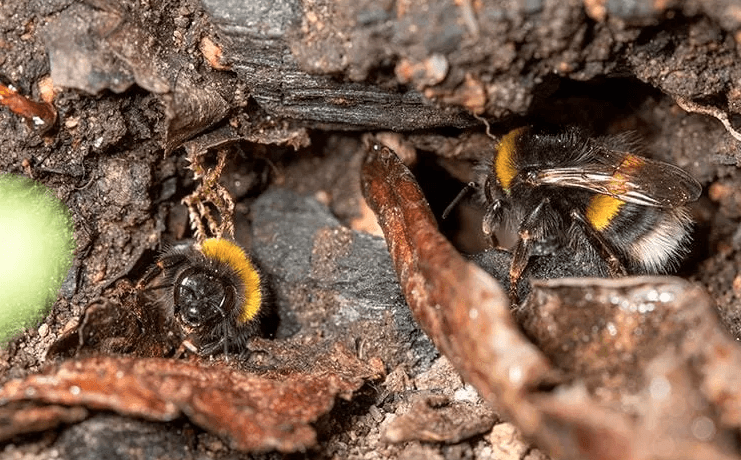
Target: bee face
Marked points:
202	298
214	293
590	194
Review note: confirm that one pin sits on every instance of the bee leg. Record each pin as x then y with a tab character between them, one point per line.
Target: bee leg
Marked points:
149	275
520	258
207	349
614	265
531	229
492	217
185	346
163	264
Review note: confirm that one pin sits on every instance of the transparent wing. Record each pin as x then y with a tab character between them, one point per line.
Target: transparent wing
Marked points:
628	177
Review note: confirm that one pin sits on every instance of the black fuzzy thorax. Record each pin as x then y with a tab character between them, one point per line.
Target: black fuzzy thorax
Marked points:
534	152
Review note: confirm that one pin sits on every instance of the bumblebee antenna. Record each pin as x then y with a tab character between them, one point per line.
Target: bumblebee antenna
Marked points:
224	329
226	340
462	194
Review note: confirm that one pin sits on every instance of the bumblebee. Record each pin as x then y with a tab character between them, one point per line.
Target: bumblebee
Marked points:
590	194
214	292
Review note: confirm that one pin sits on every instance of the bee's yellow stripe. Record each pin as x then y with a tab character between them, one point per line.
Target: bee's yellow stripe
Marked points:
235	257
602	209
504	166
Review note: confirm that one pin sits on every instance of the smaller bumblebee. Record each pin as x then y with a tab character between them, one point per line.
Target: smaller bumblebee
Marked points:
590	194
215	293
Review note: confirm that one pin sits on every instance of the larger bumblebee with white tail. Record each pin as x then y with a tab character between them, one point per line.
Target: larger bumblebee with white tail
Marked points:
592	194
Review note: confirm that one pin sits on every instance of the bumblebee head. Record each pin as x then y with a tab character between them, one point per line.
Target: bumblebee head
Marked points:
202	298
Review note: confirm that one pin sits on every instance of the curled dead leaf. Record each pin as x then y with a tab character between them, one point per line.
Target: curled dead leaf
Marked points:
253	412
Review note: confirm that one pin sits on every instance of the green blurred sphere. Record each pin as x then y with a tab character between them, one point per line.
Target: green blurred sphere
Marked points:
36	251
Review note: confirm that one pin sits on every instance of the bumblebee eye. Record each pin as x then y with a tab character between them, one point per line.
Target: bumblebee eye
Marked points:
199	298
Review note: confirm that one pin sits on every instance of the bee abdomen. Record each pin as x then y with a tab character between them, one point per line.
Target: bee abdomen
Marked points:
602	210
652	240
664	244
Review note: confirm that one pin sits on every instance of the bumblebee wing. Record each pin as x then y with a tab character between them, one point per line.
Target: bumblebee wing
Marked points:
627	177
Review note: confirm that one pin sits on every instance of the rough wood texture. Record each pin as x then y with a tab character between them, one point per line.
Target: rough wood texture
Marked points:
496	58
258	45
